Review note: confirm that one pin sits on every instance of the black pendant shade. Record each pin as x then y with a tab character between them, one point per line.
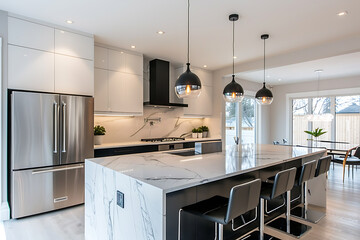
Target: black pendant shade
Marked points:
188	85
233	92
264	96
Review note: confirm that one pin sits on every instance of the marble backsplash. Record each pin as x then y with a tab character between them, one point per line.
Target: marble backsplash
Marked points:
130	129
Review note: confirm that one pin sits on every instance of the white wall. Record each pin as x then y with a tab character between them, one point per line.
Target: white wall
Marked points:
279	109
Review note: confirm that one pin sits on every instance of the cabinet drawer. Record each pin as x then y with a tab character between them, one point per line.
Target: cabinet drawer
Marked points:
45	189
73	44
30	69
32	35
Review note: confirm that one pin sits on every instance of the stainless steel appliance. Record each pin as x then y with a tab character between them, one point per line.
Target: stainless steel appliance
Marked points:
51	135
166	139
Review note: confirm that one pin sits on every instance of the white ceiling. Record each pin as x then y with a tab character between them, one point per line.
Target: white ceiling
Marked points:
292	25
333	67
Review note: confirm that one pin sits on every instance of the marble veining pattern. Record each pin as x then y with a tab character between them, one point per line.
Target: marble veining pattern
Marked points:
169	172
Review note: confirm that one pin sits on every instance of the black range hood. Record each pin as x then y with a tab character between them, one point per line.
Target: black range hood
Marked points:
159	85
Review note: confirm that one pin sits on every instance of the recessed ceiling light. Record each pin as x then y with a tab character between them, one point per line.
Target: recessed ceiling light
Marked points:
160	32
235	57
69	21
343	13
318	70
133	46
205	66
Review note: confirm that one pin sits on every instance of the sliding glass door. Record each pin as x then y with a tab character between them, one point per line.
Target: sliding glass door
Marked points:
240	122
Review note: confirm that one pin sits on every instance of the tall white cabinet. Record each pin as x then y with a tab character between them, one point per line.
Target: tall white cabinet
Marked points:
201	106
118	82
48	59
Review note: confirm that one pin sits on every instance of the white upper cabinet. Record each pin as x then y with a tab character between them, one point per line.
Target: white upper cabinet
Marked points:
73	44
202	105
101	57
101	94
30	69
116	61
74	75
134	64
31	35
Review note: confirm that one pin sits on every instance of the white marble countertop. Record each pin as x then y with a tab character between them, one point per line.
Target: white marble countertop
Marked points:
140	143
170	172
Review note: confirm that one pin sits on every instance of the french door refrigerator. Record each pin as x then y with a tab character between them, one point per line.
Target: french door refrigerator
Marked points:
51	136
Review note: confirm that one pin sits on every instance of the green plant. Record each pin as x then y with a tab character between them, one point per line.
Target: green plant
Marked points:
316	133
204	128
194	130
199	130
99	130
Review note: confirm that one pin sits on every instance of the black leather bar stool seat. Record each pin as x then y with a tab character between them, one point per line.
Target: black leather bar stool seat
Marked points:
221	210
303	212
296	229
283	183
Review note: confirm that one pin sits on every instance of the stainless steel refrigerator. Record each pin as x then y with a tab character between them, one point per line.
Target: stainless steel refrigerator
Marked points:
51	136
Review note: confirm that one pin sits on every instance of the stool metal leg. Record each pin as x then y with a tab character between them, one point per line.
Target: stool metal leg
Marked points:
288	203
221	231
179	225
262	219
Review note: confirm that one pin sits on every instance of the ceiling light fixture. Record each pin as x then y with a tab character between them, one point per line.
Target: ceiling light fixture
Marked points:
188	85
205	66
160	32
264	96
132	46
233	92
69	21
343	13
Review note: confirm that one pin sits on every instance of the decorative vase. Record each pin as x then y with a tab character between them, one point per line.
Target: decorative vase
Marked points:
194	135
199	135
205	134
98	139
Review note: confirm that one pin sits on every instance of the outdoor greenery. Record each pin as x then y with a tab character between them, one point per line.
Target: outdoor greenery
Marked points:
99	130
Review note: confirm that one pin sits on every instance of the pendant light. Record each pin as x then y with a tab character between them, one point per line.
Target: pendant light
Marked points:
264	96
233	92
188	85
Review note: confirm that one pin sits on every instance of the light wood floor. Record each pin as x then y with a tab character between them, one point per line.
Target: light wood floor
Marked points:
342	219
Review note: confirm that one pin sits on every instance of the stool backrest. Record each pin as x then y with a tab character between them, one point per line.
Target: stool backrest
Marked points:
243	198
323	165
284	181
307	171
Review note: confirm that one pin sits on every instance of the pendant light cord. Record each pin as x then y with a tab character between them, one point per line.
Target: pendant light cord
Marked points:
188	33
264	62
233	48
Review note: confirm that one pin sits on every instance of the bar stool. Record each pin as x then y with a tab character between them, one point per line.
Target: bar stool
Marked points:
303	212
283	183
307	172
221	210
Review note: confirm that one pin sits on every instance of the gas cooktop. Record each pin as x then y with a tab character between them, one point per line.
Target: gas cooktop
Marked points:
167	139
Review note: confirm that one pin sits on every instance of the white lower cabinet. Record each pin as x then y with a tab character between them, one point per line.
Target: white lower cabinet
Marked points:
74	75
201	106
30	69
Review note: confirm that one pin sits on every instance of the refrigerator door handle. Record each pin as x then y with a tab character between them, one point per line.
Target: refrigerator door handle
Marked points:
56	126
64	127
57	169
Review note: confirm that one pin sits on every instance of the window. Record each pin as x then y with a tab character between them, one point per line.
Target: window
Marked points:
240	121
344	127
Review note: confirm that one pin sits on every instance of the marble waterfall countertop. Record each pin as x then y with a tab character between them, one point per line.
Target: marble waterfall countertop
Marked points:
140	143
169	172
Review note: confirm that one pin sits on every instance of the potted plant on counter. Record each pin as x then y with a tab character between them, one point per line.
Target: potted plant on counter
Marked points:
194	133
99	132
199	132
205	131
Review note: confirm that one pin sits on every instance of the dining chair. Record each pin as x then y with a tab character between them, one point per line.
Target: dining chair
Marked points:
349	159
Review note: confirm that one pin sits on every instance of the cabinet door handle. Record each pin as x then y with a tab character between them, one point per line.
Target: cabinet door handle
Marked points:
64	127
56	126
58	169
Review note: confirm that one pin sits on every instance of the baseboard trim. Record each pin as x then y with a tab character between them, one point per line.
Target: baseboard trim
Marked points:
4	211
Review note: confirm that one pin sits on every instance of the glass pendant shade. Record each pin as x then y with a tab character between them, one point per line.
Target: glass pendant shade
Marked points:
233	92
264	96
188	85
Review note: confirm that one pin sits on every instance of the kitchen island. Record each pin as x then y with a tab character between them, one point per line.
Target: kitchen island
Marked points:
138	196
